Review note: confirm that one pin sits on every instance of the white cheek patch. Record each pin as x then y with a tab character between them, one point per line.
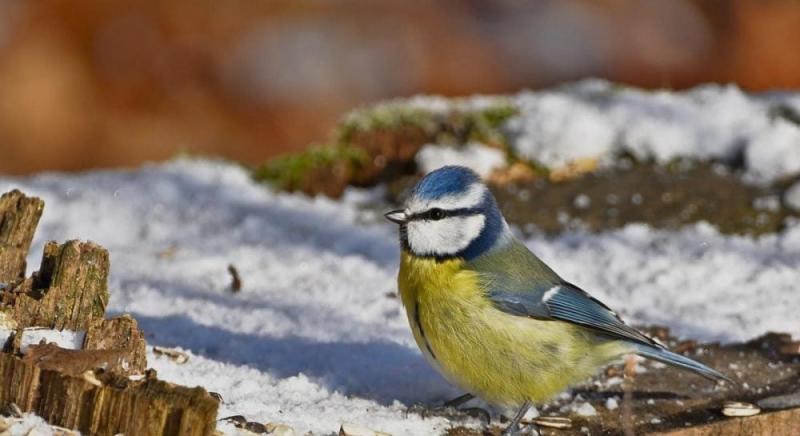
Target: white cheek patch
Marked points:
444	237
472	197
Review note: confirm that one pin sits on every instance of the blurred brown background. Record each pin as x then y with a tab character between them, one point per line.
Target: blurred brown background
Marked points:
96	83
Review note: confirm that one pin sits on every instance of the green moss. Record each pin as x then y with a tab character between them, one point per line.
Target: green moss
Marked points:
353	144
488	123
454	126
386	116
290	170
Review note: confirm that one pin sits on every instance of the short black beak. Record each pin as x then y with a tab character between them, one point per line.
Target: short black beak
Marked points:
396	216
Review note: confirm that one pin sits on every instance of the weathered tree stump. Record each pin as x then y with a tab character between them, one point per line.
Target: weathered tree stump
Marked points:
19	216
89	389
104	403
68	292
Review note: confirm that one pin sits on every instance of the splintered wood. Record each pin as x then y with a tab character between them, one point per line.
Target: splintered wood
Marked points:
120	334
67	293
87	389
104	403
19	216
116	345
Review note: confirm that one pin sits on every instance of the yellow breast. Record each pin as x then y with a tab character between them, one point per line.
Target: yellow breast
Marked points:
502	358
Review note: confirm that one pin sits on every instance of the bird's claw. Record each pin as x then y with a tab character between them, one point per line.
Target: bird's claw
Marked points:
450	413
527	430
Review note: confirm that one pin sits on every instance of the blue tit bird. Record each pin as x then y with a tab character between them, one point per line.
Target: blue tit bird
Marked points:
490	316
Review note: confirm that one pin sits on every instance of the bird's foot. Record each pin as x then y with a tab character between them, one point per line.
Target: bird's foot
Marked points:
450	410
450	413
513	429
527	430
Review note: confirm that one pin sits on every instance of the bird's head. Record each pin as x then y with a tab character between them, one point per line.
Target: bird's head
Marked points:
450	213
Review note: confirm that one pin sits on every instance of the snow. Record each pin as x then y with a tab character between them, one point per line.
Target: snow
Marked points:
792	196
480	158
586	409
314	340
579	406
31	336
28	425
598	119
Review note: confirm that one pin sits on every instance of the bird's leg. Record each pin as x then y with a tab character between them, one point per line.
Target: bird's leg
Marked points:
512	429
475	412
455	402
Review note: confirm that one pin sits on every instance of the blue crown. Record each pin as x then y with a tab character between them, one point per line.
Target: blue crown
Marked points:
447	180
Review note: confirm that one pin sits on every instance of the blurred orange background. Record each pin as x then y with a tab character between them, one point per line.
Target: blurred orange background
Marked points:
86	84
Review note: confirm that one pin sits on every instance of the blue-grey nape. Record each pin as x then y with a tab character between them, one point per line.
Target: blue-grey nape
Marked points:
492	230
447	180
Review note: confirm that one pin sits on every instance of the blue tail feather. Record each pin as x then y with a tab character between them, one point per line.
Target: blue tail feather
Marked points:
674	359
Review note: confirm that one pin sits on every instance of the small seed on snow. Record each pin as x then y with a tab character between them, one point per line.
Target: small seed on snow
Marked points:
178	356
357	430
553	422
738	408
276	429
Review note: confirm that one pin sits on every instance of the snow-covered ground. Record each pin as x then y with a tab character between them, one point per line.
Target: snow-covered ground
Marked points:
314	338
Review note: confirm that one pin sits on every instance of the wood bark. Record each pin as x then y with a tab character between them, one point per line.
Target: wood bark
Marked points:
69	291
104	403
19	216
120	334
115	345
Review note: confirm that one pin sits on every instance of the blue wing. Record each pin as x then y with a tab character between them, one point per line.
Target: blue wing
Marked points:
566	302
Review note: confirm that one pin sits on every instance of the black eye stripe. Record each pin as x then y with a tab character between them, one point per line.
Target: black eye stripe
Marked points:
446	213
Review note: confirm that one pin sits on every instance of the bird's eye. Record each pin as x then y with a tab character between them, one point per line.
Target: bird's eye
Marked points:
436	214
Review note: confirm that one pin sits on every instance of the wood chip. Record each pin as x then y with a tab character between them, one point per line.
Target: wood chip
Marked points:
276	429
574	169
518	172
236	280
737	408
791	348
91	378
177	356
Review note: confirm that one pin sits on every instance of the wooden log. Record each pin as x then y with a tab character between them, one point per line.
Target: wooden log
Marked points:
784	422
69	291
19	216
105	403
